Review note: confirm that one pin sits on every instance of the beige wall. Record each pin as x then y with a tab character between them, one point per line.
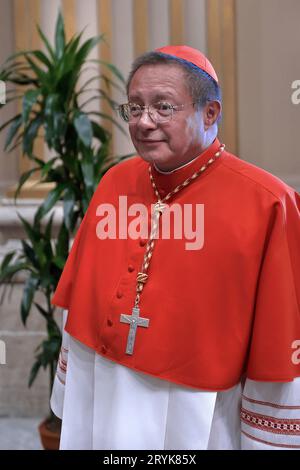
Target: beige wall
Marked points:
8	163
268	60
16	399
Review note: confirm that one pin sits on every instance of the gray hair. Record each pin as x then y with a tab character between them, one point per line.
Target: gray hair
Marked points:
201	85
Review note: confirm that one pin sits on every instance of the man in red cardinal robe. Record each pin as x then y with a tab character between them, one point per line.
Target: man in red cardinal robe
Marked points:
176	337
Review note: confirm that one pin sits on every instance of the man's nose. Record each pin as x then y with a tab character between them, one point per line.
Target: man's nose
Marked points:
146	121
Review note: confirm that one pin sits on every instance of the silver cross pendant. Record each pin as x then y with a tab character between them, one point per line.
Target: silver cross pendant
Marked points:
134	321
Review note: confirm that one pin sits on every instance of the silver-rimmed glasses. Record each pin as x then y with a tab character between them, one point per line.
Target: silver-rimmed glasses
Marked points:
158	112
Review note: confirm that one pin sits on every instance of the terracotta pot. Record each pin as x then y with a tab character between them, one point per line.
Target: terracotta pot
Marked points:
49	431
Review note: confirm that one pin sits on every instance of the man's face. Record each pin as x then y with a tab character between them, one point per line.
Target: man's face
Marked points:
168	144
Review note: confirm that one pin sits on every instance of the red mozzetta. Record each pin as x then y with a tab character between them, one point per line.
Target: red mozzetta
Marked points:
217	313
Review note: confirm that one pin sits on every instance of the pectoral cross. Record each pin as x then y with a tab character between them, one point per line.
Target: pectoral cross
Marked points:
134	321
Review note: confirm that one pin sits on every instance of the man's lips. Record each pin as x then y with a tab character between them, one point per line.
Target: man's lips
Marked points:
150	141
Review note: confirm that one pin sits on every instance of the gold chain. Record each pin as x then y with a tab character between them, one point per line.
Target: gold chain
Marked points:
159	207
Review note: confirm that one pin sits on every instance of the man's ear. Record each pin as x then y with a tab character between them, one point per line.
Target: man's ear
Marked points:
211	112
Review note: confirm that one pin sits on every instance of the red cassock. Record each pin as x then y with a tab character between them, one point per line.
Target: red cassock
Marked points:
217	314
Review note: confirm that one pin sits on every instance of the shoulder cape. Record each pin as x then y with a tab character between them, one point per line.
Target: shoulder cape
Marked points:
217	314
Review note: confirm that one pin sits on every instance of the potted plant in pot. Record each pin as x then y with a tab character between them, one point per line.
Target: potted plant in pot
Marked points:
48	88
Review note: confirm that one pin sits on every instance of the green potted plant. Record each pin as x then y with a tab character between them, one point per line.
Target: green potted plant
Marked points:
48	87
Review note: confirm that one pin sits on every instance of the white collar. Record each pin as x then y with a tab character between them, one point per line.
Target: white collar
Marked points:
175	169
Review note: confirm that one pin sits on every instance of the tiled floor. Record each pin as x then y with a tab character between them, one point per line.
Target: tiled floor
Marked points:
19	434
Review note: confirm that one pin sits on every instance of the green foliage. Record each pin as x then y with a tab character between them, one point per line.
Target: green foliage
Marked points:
51	110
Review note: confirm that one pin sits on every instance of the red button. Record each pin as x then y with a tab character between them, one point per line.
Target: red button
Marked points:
130	268
142	242
119	294
109	322
104	349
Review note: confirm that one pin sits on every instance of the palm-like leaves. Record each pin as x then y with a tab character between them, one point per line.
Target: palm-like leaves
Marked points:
51	109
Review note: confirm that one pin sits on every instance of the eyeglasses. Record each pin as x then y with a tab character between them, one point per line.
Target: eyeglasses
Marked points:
158	112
